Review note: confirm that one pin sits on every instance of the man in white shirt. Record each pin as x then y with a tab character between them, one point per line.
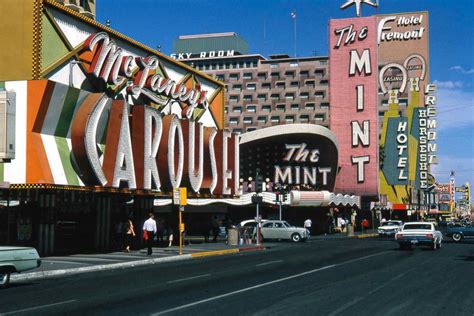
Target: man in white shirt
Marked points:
307	225
150	227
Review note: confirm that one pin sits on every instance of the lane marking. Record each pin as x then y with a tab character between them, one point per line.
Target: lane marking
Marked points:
346	306
270	262
37	307
190	278
265	284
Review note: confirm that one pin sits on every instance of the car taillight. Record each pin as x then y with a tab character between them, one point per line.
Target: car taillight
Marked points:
398	236
429	235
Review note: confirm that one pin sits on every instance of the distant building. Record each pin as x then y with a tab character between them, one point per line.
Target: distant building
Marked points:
86	7
261	92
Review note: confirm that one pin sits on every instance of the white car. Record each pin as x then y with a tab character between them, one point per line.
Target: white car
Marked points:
16	259
250	223
419	234
389	228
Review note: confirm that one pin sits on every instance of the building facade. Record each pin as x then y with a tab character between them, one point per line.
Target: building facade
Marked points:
260	92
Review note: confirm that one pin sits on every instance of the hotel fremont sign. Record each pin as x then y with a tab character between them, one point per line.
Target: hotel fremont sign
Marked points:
145	149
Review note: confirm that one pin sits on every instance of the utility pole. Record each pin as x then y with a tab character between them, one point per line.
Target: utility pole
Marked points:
257	199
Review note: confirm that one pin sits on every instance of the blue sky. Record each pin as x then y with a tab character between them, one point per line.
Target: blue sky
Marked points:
268	28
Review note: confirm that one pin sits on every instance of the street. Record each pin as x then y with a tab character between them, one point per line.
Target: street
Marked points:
368	276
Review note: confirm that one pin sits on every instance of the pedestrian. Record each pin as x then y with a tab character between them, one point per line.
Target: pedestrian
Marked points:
129	235
214	228
307	225
160	226
119	235
343	224
150	227
170	236
365	225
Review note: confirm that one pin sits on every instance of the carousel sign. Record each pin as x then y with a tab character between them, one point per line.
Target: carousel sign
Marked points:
144	149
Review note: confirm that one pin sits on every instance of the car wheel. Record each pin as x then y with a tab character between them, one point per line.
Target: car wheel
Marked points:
457	237
4	279
295	237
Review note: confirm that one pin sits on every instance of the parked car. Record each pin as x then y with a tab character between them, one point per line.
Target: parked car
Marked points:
457	233
273	229
389	228
250	223
16	259
419	233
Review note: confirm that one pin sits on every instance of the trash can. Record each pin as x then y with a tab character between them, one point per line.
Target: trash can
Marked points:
350	230
233	236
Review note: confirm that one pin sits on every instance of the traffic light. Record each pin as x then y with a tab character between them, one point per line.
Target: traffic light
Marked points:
258	183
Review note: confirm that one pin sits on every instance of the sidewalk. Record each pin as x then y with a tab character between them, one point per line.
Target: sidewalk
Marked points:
368	233
81	263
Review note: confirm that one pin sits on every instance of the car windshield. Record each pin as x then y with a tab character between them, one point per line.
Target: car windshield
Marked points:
390	224
417	226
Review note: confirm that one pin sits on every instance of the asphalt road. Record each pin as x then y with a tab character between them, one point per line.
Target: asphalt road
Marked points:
320	277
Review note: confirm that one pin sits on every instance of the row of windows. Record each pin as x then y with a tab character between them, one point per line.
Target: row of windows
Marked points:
276	96
278	107
273	75
252	86
227	65
276	119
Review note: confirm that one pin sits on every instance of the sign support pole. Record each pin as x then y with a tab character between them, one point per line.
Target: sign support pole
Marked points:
180	210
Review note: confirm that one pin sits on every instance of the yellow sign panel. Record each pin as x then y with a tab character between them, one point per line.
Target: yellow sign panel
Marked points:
182	196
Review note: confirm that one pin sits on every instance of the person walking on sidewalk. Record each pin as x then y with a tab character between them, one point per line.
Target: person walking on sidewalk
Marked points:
129	235
307	225
150	227
170	236
365	225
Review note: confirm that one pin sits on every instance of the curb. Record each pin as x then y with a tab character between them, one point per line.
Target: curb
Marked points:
366	235
121	265
103	267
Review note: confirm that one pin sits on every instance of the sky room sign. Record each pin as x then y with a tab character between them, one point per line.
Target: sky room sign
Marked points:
353	98
143	148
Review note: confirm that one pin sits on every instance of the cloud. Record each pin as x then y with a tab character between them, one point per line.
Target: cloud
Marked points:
462	70
455	108
449	84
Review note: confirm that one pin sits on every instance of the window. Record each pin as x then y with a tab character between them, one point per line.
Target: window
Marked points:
295	106
281	107
234	76
304	95
402	102
262	75
324	105
237	130
310	106
319	94
249	129
220	77
319	72
237	87
304	73
247	75
251	86
247	98
280	85
275	75
275	119
234	98
226	110
289	96
381	113
323	62
304	118
262	119
319	117
234	120
235	65
324	82
254	63
290	74
289	118
247	120
275	96
237	109
294	84
266	108
266	86
262	97
384	102
251	108
309	83
273	65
